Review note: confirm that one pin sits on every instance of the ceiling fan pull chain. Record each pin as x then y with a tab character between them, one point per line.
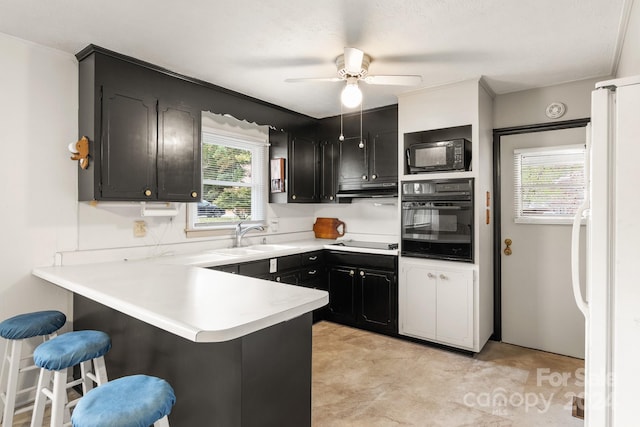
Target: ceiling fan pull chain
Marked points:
341	137
361	145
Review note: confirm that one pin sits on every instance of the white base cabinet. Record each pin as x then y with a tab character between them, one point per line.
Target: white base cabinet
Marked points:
437	303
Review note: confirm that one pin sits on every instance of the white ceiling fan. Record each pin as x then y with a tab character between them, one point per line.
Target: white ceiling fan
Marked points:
353	67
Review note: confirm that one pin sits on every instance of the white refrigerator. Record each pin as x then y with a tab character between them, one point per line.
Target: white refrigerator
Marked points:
611	304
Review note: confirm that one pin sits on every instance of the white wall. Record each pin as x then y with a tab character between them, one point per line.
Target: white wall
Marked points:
629	64
528	106
38	119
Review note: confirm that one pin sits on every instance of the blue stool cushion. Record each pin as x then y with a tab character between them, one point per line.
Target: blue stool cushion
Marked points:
32	324
70	349
133	401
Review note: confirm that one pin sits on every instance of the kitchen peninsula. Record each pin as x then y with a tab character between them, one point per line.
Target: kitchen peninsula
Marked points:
237	350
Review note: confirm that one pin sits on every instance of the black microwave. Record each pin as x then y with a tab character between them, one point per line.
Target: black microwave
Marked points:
451	155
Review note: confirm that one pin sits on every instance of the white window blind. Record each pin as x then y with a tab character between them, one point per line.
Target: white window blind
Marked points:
233	181
549	184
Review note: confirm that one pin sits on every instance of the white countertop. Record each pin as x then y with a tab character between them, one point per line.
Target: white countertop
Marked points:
216	257
198	304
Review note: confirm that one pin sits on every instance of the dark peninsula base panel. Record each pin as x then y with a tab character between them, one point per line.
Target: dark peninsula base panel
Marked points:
260	380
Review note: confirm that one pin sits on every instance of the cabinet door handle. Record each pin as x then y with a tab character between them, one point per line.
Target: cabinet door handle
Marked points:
293	197
374	176
278	279
147	192
313	258
362	273
430	275
443	277
351	273
312	272
194	194
364	176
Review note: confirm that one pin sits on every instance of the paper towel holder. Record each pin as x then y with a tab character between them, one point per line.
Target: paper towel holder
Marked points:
80	151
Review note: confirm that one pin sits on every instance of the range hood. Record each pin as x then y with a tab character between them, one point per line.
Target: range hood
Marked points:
346	195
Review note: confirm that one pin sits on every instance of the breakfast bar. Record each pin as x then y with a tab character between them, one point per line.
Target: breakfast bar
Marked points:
237	350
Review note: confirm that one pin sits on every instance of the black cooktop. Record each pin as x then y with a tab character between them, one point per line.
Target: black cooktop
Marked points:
368	245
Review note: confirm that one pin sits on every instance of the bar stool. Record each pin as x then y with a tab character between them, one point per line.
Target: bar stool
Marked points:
17	329
133	401
54	357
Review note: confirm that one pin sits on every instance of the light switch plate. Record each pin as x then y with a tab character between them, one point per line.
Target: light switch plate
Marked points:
273	265
139	229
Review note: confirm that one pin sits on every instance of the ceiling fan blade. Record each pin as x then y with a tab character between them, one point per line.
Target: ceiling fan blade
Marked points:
408	80
353	60
313	79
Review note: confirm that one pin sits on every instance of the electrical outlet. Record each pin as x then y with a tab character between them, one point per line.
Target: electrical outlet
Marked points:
273	224
139	229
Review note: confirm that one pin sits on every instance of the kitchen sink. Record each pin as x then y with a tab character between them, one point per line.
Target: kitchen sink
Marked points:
237	251
269	248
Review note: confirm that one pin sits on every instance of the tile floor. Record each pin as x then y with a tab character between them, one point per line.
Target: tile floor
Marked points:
365	379
371	380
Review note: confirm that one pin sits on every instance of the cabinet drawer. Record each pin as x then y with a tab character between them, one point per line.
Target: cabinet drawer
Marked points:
228	268
291	278
255	268
312	258
310	274
289	262
380	262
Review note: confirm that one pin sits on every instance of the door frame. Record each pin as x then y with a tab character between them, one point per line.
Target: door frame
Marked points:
497	200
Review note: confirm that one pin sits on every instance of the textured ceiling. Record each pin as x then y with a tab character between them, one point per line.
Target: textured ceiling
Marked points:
252	46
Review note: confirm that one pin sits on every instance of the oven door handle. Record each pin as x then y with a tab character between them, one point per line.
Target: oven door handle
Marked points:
435	207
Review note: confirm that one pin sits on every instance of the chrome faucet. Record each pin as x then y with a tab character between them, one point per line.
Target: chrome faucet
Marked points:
241	232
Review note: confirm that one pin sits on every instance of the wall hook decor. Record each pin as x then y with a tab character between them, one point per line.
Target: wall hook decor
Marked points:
80	151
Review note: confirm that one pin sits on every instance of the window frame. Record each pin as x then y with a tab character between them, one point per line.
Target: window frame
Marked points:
259	188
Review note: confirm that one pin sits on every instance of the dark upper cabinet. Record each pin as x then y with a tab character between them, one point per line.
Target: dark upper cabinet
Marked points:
354	169
368	154
374	162
301	151
179	149
304	170
383	157
144	144
127	157
329	166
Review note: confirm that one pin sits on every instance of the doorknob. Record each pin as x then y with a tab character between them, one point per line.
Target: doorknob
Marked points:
507	250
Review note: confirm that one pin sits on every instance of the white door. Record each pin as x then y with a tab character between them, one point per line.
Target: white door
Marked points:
538	308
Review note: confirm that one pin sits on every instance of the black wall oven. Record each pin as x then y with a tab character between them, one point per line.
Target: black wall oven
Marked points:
437	219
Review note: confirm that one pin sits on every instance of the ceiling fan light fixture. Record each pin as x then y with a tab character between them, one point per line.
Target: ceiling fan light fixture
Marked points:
351	95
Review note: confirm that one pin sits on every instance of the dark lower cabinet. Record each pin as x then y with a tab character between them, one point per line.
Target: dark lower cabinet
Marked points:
306	269
363	291
341	284
377	300
363	288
